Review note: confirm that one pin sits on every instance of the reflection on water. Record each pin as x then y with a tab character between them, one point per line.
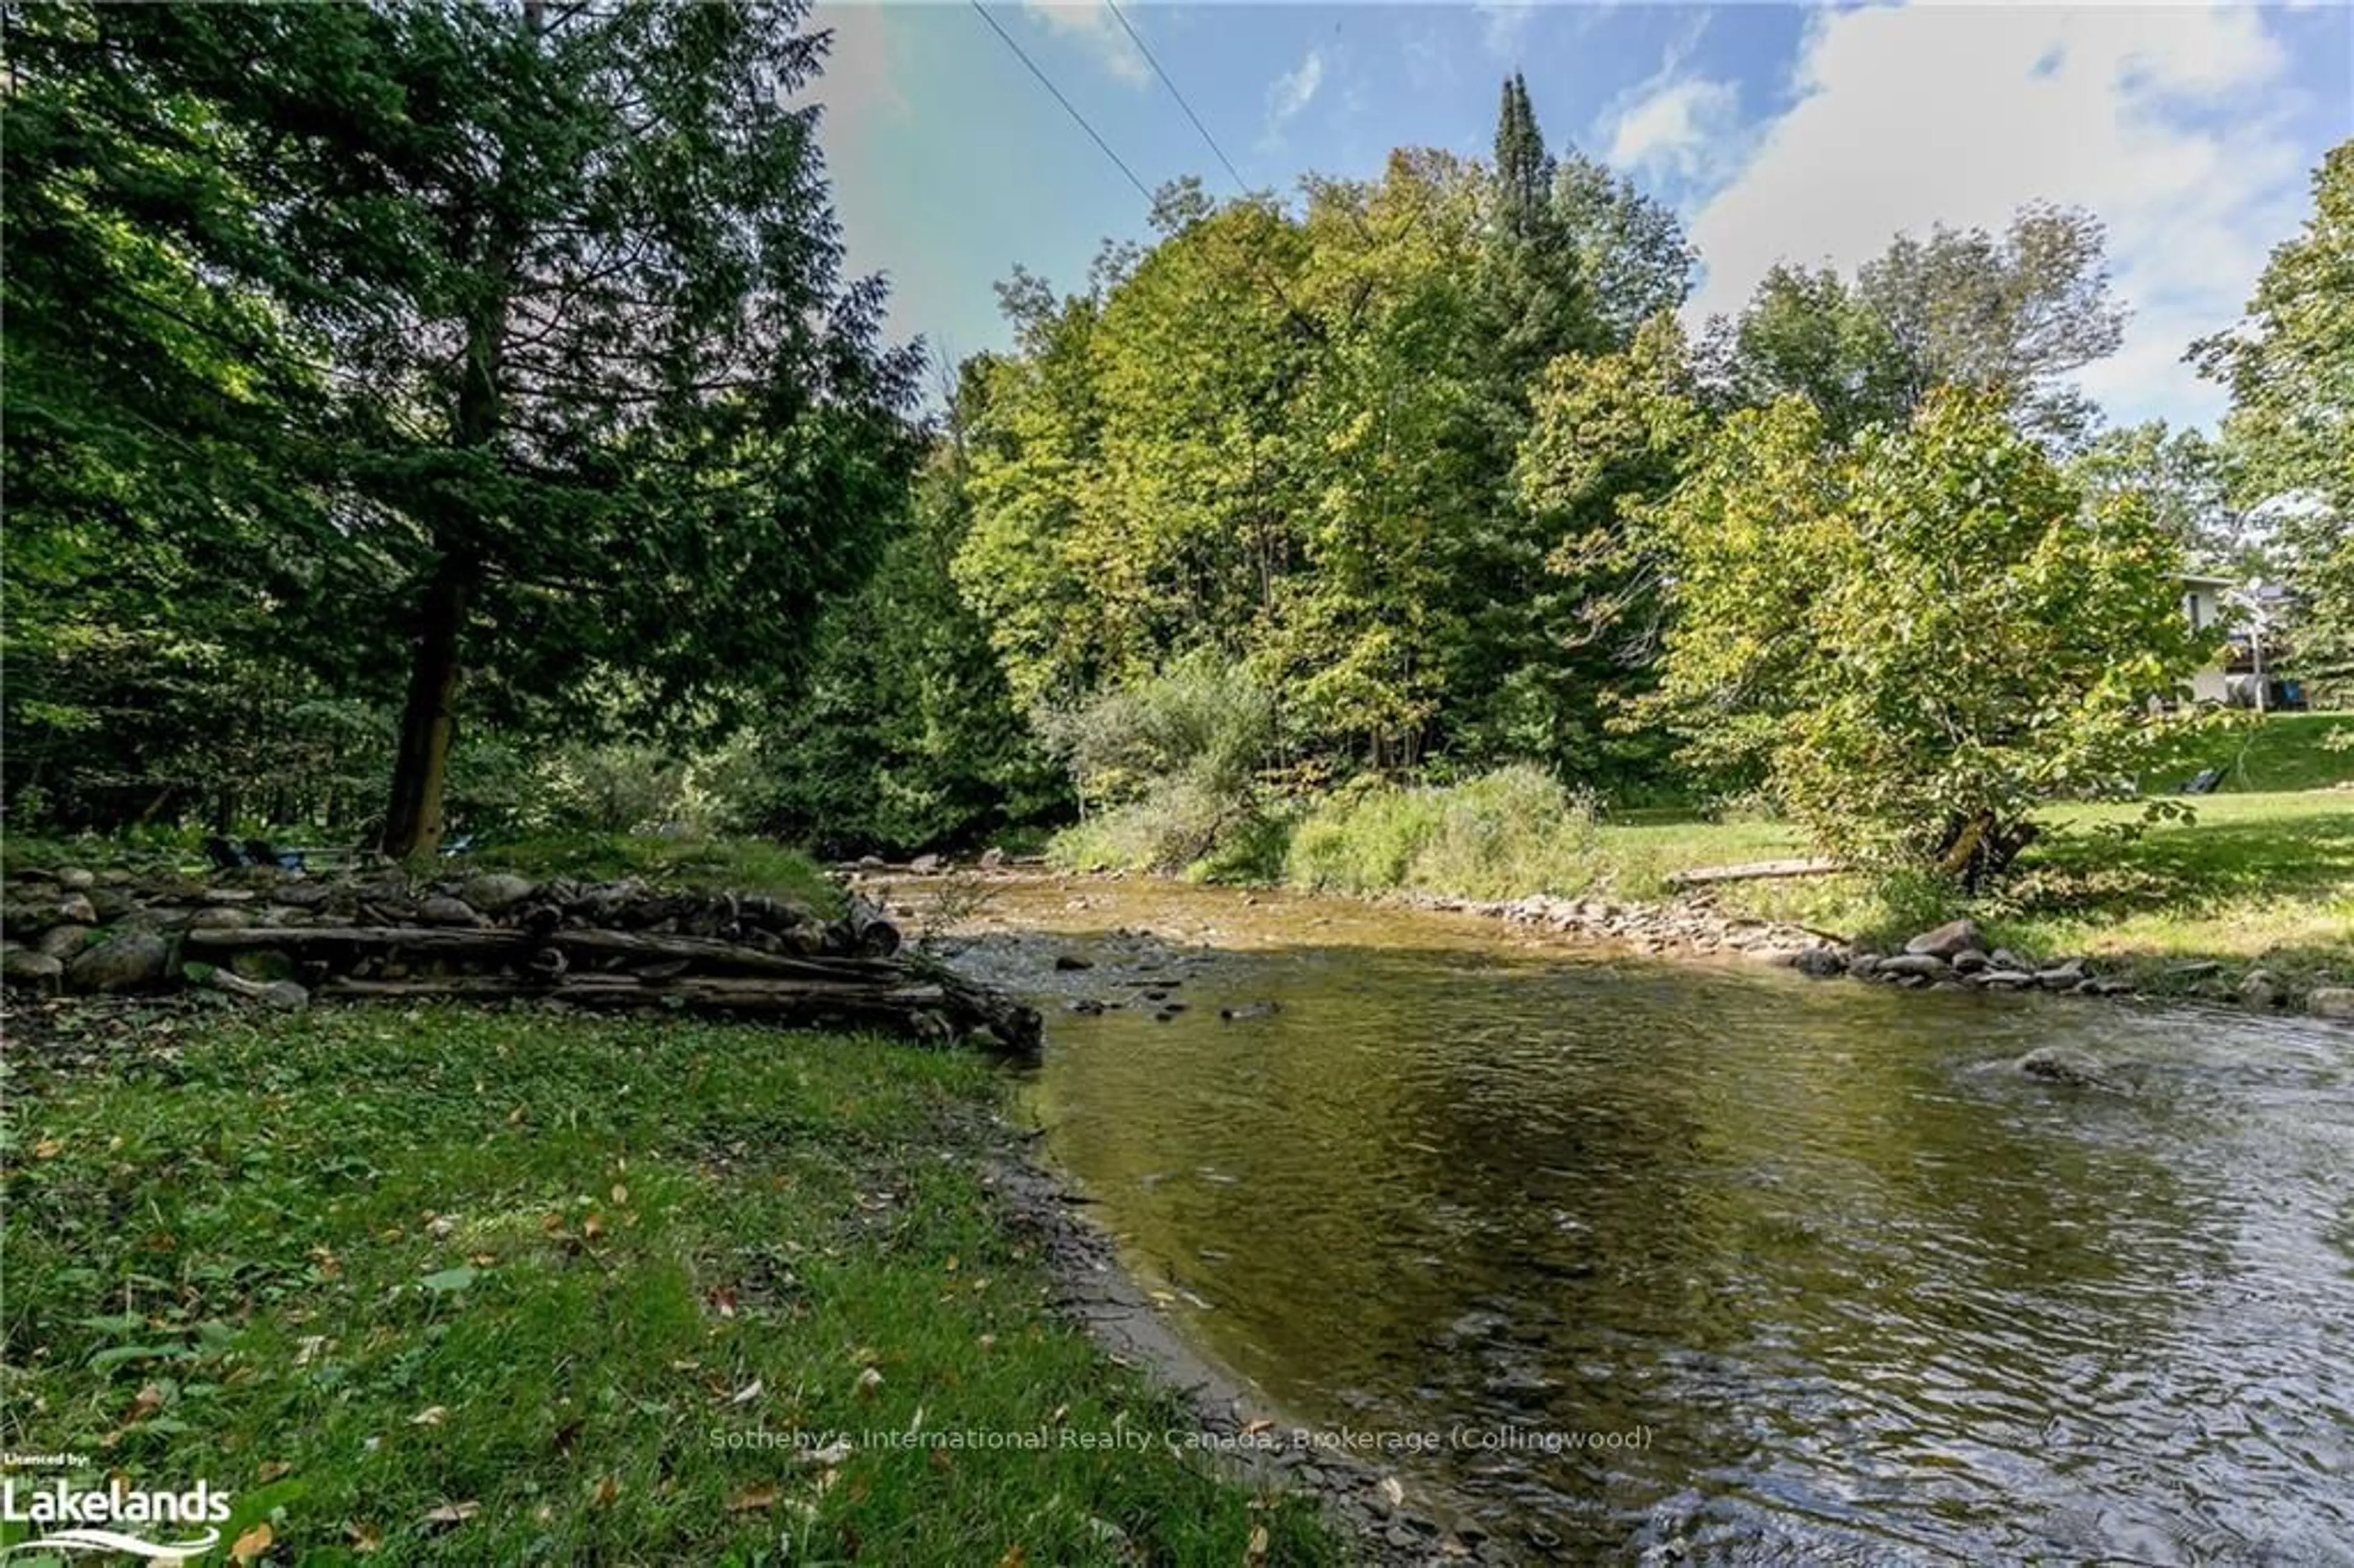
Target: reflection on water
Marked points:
1874	1298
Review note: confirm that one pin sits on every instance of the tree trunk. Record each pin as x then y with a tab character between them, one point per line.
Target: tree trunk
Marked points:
412	819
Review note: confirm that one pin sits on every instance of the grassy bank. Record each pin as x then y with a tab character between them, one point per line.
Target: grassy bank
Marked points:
450	1285
2262	875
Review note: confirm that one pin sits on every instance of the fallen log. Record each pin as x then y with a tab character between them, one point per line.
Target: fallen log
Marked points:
1754	871
602	969
871	933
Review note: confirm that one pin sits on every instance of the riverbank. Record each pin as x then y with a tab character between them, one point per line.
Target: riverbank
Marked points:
2253	898
409	1284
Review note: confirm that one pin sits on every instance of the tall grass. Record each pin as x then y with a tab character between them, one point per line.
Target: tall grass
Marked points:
1499	835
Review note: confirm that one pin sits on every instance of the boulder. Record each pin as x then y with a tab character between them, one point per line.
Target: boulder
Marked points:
992	858
2061	976
1953	937
138	961
442	910
111	901
495	891
2004	959
2331	1002
74	879
219	918
1864	966
2258	989
2065	1065
1822	963
65	941
1969	961
32	970
925	864
2004	980
76	909
1909	965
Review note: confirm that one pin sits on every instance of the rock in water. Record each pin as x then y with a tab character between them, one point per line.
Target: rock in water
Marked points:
2260	989
2061	976
1821	963
2331	1002
1928	966
1952	938
138	961
2065	1065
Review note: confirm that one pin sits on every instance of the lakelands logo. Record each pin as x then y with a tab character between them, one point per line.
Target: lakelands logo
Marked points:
65	1519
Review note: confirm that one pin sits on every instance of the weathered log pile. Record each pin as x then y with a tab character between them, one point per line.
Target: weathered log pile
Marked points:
606	946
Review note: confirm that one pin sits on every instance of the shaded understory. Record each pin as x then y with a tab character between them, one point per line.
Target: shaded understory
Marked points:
509	1287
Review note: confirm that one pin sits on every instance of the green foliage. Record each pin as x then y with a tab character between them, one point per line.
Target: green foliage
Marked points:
1918	638
496	339
1499	835
1174	761
2011	316
2290	433
907	736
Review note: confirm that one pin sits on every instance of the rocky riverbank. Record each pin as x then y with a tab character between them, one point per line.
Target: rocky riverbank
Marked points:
1958	956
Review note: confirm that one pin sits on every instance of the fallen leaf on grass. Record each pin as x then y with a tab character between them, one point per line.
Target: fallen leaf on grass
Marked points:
271	1471
592	1227
48	1149
1395	1490
452	1513
307	1349
431	1416
746	1394
149	1400
365	1538
723	1300
869	1381
1258	1551
620	1194
252	1543
753	1499
607	1490
1014	1557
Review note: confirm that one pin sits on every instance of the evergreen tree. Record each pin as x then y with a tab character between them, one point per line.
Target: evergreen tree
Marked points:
590	394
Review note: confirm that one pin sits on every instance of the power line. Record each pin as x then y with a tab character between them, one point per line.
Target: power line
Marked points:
1048	84
1144	49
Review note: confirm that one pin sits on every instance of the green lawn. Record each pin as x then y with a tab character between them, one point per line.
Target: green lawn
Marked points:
2257	877
454	1286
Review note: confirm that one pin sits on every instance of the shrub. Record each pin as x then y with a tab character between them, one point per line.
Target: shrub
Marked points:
1499	835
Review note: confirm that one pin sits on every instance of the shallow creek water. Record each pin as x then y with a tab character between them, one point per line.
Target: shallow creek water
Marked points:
1849	1288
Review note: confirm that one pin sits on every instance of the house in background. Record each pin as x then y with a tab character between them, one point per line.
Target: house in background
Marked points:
2203	605
2244	671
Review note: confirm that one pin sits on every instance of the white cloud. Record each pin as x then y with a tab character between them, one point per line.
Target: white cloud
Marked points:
1292	91
2165	122
1090	24
1503	23
1678	126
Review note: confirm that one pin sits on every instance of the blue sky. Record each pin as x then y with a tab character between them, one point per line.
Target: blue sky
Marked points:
1813	134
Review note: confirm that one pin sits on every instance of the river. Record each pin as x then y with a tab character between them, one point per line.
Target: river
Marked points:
1638	1258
